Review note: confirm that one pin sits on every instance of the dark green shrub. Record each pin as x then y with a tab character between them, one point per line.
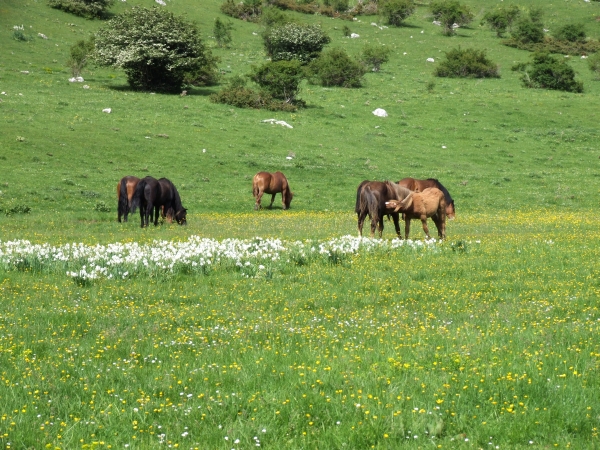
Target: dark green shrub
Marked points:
594	64
295	41
222	32
395	12
529	29
272	17
80	54
373	56
548	72
248	10
281	79
84	8
335	68
502	18
467	63
449	13
337	5
572	32
237	94
155	48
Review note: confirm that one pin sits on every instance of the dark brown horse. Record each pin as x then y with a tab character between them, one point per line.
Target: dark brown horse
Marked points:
158	195
371	198
421	205
271	183
125	190
420	185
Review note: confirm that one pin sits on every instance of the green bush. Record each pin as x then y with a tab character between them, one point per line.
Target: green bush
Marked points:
237	94
281	79
273	17
467	63
502	18
222	32
594	64
572	32
548	72
529	29
248	10
335	68
155	48
450	12
395	12
373	56
84	8
337	5
295	41
80	54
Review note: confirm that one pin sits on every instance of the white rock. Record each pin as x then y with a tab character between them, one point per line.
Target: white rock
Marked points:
354	35
380	112
85	86
278	122
430	60
107	110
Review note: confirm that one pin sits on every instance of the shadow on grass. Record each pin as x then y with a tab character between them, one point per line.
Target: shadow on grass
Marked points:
202	91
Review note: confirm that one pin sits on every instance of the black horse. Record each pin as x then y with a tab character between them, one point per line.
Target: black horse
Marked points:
162	196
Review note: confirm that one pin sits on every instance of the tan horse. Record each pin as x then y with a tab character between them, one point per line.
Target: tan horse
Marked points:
420	185
125	189
271	183
421	205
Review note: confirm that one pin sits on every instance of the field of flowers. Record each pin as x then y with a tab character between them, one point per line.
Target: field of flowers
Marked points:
487	340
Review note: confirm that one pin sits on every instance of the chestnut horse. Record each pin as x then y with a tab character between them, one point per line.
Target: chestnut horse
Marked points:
421	205
271	183
420	185
371	198
125	190
158	195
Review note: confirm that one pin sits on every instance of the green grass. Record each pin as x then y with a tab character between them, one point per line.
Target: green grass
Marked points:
497	328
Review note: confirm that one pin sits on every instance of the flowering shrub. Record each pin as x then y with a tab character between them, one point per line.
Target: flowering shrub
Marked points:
84	8
295	41
154	47
250	257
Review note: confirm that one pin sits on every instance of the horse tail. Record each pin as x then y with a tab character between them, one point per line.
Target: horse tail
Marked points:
357	207
123	203
370	202
254	187
136	200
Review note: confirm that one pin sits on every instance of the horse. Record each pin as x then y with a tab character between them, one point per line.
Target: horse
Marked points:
125	189
160	195
421	205
420	185
371	198
271	183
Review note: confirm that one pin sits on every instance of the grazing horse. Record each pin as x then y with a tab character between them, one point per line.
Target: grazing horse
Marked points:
421	205
271	183
371	198
159	195
420	185
125	190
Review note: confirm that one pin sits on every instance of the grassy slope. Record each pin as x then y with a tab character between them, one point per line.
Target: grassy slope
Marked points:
506	146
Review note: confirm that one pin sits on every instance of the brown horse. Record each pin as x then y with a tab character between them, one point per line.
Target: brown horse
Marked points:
271	183
125	189
371	198
420	185
158	195
421	205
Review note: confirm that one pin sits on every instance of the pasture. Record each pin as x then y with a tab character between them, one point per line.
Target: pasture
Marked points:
308	340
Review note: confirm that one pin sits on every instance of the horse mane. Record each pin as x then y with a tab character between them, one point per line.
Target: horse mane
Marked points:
397	191
441	187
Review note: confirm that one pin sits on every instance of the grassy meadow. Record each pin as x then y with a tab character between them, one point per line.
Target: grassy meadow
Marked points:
486	340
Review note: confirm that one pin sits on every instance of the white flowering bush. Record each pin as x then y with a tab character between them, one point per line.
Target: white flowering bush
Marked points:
154	47
84	8
295	41
250	257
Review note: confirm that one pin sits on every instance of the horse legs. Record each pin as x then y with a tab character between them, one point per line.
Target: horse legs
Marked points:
283	194
258	199
425	228
156	213
147	214
380	227
361	221
406	226
440	224
272	200
395	217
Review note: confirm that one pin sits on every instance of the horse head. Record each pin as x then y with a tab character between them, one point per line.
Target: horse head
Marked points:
288	199
181	216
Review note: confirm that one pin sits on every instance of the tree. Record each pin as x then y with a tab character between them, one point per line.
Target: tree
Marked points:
84	8
395	12
295	41
222	32
449	13
335	68
155	48
548	72
373	56
502	18
80	54
529	29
